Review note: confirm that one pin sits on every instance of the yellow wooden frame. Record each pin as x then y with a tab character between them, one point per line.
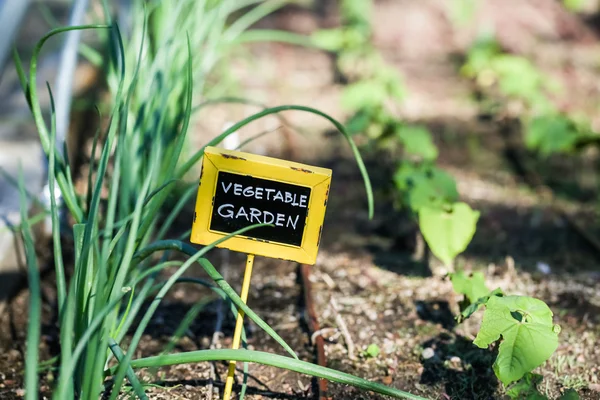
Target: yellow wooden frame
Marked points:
316	178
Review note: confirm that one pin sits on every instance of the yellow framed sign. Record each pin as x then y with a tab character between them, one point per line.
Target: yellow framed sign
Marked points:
240	189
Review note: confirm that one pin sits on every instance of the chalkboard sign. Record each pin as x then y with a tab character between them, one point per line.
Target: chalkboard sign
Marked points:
240	189
243	200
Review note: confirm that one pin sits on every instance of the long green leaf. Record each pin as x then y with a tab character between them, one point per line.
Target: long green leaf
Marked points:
66	340
135	383
252	16
183	200
157	300
196	157
219	280
96	351
274	35
67	191
21	74
273	360
59	267
35	302
68	368
178	143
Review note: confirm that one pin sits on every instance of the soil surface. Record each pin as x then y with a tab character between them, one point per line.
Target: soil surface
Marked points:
366	279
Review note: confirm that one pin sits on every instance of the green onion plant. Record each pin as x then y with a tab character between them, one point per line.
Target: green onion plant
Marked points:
120	224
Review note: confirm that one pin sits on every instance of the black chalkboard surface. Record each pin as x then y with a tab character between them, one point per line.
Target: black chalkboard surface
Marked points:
243	200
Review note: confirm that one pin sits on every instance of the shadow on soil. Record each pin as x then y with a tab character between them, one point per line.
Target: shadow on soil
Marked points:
10	282
577	307
437	312
531	236
463	369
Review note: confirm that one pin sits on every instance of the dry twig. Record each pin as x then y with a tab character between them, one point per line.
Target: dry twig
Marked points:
343	329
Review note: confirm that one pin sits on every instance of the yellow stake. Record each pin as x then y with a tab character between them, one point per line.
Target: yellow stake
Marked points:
239	324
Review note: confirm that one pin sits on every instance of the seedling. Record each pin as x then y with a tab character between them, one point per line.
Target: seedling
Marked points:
508	78
374	85
521	325
428	192
447	224
372	351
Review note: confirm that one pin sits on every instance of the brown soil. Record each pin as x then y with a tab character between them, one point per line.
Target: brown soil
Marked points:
366	267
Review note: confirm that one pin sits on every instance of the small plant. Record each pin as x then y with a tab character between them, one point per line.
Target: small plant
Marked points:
428	192
520	326
510	76
372	351
447	224
374	86
513	85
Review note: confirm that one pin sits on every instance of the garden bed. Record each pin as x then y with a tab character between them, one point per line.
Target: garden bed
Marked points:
365	278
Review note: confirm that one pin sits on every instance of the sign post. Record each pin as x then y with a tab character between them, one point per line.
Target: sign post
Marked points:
241	189
239	324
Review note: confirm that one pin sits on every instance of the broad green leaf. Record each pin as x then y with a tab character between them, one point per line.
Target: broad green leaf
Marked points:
393	81
471	286
550	134
363	94
359	122
443	184
480	55
526	388
356	10
417	141
407	175
570	394
448	232
474	306
517	76
528	335
422	195
425	185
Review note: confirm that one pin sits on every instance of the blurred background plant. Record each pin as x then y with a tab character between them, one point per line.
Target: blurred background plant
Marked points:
373	98
375	89
512	86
